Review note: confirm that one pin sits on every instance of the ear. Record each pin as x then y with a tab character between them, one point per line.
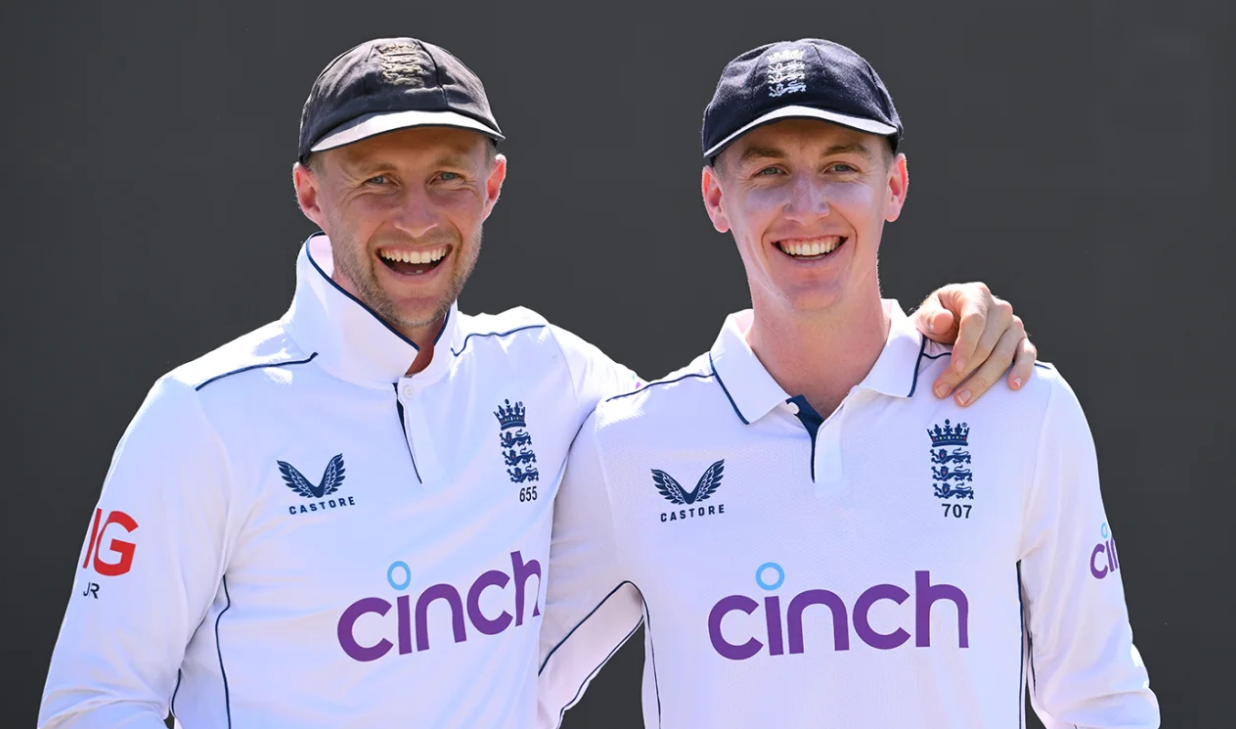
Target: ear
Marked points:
493	184
711	187
898	186
306	184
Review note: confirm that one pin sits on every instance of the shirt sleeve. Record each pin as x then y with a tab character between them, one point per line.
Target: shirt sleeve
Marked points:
591	608
593	374
148	572
1084	669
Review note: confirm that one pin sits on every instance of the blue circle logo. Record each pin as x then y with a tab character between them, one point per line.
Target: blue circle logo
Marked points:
407	575
759	575
1103	530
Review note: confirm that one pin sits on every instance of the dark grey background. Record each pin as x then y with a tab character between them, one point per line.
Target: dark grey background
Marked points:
1077	155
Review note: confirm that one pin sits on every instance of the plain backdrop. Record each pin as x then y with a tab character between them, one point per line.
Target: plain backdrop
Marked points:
1076	155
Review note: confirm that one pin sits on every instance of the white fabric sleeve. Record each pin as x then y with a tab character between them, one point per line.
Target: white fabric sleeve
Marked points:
591	608
594	375
1084	669
148	572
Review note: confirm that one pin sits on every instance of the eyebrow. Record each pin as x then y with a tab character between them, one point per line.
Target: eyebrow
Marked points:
753	153
851	148
756	153
370	167
365	168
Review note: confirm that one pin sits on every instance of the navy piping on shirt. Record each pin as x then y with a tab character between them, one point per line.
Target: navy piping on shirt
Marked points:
724	389
179	675
283	363
811	420
403	427
569	704
647	622
445	320
1034	682
652	652
654	383
1021	674
227	698
340	289
464	346
922	348
581	622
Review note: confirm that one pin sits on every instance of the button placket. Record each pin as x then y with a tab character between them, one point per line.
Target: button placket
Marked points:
829	471
420	439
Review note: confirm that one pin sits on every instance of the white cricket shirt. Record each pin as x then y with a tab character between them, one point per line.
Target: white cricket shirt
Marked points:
903	563
295	534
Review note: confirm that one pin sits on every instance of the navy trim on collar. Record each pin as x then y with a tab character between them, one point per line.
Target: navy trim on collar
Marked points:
363	305
726	391
914	382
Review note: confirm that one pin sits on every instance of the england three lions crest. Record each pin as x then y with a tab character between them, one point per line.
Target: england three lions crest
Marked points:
950	461
516	443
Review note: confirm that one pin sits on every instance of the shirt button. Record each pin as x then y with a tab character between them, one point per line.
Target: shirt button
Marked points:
793	406
408	391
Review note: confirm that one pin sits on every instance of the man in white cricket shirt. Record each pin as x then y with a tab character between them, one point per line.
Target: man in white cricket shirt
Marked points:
810	539
343	518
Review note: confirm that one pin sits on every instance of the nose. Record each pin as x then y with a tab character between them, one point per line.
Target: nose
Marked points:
415	214
808	200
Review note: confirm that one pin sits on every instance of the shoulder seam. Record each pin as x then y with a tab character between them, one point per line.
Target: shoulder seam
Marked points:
262	365
464	346
654	383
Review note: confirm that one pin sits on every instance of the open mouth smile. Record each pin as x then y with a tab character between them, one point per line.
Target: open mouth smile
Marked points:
811	249
413	263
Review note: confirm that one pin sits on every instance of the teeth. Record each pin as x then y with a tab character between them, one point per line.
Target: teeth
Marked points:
413	256
818	246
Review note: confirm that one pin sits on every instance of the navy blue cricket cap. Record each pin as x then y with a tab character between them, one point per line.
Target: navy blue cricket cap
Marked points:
802	79
387	84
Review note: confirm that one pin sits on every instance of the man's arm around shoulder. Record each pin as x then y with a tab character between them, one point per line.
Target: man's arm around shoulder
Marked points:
591	607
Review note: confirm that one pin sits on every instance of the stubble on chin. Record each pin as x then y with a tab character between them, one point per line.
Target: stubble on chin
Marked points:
364	278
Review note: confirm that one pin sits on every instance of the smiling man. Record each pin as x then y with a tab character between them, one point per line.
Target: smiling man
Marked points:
223	578
809	538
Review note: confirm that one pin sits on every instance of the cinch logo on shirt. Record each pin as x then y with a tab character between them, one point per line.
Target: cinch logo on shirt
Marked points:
1100	567
399	575
926	595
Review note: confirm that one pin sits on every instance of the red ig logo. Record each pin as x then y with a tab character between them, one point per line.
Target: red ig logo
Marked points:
120	547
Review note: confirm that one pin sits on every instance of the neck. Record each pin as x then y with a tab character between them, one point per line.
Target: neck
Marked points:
423	338
819	355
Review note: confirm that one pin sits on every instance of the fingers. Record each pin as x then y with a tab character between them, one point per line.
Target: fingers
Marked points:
969	304
981	322
1023	365
1006	348
999	319
935	321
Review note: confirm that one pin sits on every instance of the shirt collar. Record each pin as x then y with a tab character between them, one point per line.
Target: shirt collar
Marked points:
351	341
754	393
